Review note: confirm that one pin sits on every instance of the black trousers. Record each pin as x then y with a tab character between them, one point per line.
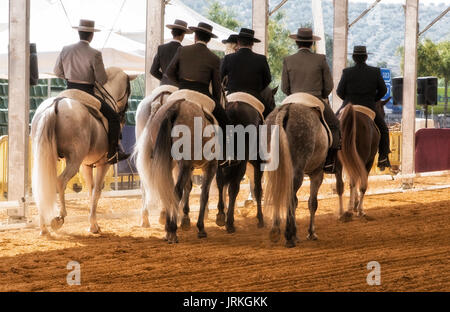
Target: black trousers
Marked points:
218	112
333	124
383	147
107	111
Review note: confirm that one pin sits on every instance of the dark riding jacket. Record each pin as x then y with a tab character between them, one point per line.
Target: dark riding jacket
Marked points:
362	85
161	61
247	72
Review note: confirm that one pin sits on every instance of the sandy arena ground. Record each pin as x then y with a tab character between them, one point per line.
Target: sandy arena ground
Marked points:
410	238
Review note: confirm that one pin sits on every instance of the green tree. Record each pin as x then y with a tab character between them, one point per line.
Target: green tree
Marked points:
222	16
432	60
280	45
444	68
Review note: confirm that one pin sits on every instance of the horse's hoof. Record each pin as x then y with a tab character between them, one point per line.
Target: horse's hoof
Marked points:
57	223
275	235
202	234
185	223
162	218
312	237
290	243
95	229
220	219
260	224
171	238
145	223
230	229
346	217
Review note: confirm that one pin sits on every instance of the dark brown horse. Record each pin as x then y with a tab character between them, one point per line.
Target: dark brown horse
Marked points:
230	177
360	139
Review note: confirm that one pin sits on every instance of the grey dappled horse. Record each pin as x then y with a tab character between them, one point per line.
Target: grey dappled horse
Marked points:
303	146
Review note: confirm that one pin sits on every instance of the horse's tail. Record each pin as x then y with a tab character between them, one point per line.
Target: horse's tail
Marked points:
349	156
45	157
279	187
159	175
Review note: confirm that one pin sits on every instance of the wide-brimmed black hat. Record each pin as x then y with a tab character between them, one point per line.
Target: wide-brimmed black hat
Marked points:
231	39
206	28
360	50
247	34
179	24
304	34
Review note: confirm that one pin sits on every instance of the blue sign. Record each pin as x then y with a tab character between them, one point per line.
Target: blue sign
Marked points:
386	74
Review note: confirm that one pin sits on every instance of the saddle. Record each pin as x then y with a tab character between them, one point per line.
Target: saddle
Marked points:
310	101
92	103
161	89
368	112
248	99
365	110
155	94
202	101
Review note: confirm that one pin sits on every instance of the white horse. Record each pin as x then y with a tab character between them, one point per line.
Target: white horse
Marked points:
144	114
63	126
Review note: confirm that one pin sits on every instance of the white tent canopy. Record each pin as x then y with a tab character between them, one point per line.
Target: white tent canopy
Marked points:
51	29
175	9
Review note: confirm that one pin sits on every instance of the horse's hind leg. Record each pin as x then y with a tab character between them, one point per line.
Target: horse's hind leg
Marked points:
291	227
316	182
220	181
208	175
233	191
186	222
347	216
258	194
340	187
69	172
96	192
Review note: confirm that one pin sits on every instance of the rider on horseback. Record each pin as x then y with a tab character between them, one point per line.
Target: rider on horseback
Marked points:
306	71
166	52
364	85
247	71
195	67
82	67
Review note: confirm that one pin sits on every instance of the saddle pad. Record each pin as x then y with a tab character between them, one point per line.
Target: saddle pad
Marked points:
313	102
164	88
365	110
247	98
92	103
305	99
203	101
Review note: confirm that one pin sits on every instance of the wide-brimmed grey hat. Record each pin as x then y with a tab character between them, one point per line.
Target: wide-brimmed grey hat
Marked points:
180	24
204	27
86	26
304	34
247	34
360	50
231	39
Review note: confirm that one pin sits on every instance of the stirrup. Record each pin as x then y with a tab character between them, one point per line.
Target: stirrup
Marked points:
384	163
330	168
113	159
